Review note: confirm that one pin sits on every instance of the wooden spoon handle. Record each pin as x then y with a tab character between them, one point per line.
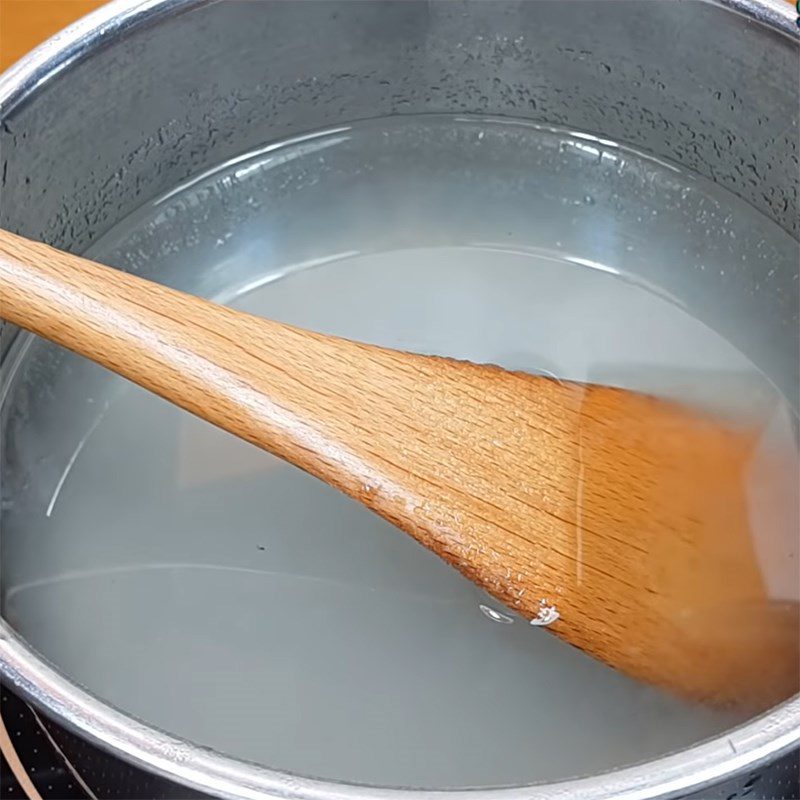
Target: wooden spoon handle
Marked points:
183	348
104	314
320	402
134	326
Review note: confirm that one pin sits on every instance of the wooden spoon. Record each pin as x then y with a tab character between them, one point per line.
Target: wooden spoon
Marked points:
618	519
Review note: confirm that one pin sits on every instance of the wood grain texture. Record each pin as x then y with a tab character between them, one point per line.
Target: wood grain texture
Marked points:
626	512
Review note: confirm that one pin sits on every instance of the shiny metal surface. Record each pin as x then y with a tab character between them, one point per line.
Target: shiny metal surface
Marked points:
92	127
769	12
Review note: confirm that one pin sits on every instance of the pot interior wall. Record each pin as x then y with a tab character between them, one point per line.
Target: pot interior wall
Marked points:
691	82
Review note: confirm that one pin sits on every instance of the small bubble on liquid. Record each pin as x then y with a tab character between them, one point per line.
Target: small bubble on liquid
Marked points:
495	616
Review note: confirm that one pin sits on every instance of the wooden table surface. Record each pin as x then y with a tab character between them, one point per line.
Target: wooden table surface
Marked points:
26	23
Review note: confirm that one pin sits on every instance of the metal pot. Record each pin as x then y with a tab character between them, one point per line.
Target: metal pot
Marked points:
142	94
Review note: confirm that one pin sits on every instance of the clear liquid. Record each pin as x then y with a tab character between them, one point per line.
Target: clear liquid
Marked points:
222	595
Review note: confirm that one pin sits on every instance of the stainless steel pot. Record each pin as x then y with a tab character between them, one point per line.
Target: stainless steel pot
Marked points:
144	93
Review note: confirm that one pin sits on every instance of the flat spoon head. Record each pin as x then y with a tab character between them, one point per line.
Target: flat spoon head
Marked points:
620	519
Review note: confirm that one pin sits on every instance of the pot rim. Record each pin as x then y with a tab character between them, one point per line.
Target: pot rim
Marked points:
745	747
